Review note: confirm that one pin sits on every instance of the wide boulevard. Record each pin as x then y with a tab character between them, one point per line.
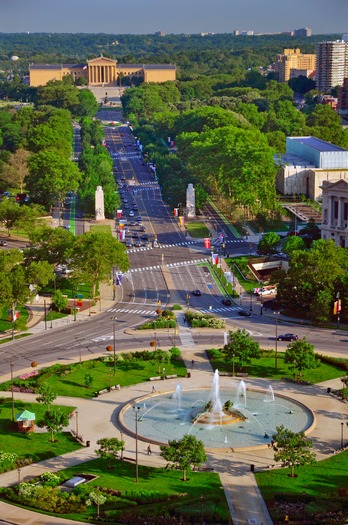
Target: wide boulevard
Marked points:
168	272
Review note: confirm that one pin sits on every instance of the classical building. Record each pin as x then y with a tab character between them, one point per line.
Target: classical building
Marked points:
292	60
332	64
102	71
307	163
335	212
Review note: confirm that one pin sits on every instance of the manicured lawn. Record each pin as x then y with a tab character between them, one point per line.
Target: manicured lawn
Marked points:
203	491
320	483
104	228
32	445
69	380
265	367
5	324
197	230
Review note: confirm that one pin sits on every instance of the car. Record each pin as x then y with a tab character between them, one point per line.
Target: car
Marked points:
144	237
244	313
142	228
226	302
135	207
139	218
132	222
126	206
131	213
137	243
135	235
287	337
196	293
129	243
3	243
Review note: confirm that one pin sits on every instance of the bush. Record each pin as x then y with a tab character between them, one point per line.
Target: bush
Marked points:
175	352
176	307
343	365
214	353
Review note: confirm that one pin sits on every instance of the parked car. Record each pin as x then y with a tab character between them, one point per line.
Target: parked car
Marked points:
287	337
226	302
131	213
3	243
137	242
145	237
139	218
129	243
197	293
244	313
142	228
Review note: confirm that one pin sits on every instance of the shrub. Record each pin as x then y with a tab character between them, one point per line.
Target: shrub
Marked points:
343	365
175	352
214	353
176	307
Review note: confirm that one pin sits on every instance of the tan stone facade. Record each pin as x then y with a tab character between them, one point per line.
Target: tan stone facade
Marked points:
291	60
102	71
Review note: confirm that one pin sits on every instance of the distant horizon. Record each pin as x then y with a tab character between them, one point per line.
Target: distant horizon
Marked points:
166	34
180	17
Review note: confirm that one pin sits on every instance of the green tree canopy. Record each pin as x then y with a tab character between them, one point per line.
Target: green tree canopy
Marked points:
300	356
184	453
293	449
241	347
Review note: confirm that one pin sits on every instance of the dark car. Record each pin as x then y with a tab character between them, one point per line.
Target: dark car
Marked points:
244	313
287	337
145	237
139	218
196	293
3	243
142	228
226	302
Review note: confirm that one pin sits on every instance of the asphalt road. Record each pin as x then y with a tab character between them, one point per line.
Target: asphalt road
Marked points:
144	286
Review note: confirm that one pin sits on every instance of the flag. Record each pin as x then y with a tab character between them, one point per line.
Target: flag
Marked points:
122	235
215	258
119	278
337	307
119	214
176	212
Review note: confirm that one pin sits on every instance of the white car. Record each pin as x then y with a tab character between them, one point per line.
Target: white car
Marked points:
131	213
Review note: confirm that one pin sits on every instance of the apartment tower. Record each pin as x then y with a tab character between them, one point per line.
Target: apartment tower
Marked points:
332	64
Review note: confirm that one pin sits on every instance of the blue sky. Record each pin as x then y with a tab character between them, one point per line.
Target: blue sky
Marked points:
172	16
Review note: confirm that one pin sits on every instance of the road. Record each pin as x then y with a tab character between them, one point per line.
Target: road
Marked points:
175	263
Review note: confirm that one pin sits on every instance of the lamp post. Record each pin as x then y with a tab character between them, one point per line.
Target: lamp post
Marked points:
114	341
51	307
338	308
11	365
136	412
202	500
276	340
251	302
342	441
121	457
233	364
261	301
19	481
45	314
77	422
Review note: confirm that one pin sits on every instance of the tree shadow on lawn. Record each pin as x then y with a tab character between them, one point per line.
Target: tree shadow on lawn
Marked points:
267	371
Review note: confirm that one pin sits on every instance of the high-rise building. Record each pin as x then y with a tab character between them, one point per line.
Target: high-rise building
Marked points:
332	64
304	32
293	59
342	105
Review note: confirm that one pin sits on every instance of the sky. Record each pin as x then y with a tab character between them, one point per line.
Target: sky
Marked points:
172	16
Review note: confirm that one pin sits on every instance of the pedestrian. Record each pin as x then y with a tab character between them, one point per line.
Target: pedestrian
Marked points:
192	363
149	451
184	318
154	389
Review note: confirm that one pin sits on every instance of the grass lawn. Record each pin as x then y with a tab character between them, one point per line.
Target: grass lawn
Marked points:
320	482
70	380
32	445
203	491
197	230
5	324
265	367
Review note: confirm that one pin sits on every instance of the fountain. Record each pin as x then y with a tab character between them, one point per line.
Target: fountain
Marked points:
249	421
177	395
269	397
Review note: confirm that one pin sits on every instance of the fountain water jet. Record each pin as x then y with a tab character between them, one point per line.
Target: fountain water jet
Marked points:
177	395
269	397
241	394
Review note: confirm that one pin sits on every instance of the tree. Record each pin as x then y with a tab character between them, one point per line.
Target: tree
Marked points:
98	498
54	420
60	301
46	395
95	254
293	449
269	243
17	169
51	176
88	380
293	243
88	105
184	453
300	355
109	449
241	347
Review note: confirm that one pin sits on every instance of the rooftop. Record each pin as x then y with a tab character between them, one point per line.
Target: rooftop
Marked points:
317	144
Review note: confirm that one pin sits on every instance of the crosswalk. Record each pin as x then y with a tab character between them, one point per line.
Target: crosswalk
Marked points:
174	245
169	265
219	310
132	311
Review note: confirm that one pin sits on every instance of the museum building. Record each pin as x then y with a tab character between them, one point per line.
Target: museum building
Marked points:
102	71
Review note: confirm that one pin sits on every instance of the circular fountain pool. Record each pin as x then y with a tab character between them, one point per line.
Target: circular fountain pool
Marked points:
172	415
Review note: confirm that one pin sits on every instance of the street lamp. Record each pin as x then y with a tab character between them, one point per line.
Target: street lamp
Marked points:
276	340
342	441
251	302
136	412
77	422
261	301
233	364
113	319
19	481
11	365
45	314
121	457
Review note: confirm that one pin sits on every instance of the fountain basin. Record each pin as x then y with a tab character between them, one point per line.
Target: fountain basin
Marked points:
162	418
